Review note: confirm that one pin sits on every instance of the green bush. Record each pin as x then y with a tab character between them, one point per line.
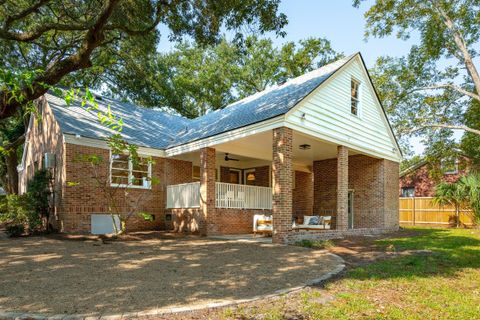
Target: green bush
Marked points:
30	209
38	193
14	230
19	212
316	244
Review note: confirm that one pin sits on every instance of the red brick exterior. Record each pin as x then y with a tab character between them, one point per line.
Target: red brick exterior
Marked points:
342	188
372	181
425	184
207	191
302	195
282	184
84	197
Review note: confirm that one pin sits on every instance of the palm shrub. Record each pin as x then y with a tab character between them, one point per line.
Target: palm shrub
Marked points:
471	185
454	194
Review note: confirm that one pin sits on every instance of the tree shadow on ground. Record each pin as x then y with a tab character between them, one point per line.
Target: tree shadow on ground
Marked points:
52	275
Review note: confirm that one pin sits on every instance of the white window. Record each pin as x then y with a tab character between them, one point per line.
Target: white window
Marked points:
355	96
450	166
126	172
408	192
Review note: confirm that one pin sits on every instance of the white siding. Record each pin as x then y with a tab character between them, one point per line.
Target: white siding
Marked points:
328	116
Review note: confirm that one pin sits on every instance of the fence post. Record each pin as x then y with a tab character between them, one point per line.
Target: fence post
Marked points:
414	209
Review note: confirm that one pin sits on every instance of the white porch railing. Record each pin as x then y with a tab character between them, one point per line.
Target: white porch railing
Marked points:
185	195
238	196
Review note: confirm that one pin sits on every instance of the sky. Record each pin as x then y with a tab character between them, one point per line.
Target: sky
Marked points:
339	22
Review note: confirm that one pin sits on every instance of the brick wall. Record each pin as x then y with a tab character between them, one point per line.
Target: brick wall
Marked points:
298	235
79	201
302	195
208	215
391	205
282	183
374	184
424	184
226	221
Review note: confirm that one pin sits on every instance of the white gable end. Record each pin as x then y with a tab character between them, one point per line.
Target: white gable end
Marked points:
326	114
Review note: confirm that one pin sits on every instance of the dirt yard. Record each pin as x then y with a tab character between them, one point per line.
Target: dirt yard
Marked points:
52	275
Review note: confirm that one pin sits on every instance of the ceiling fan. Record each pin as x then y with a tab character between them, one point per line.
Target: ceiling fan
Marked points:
227	158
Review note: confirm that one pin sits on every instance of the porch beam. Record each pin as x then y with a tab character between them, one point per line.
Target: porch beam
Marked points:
342	188
282	184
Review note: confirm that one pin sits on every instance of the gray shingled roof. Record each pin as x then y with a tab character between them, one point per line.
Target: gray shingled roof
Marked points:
157	129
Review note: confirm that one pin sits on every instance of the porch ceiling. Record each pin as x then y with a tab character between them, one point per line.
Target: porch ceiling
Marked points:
257	150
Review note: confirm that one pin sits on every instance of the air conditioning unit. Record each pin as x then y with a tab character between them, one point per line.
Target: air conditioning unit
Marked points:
49	161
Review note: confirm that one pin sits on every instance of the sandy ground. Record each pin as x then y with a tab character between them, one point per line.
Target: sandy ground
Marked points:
54	275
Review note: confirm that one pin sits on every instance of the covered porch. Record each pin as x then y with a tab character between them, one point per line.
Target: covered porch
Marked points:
289	176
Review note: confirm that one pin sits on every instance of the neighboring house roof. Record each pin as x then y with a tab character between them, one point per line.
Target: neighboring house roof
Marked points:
413	167
423	162
157	129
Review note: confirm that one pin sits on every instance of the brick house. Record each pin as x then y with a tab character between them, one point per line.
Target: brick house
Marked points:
420	179
319	144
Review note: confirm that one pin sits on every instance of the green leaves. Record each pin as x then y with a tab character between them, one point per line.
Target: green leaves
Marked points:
146	216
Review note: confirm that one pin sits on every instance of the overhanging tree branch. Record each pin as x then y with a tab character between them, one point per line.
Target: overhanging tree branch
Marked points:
448	86
446	126
76	61
24	13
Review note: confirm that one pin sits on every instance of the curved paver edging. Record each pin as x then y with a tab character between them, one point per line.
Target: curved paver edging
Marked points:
5	315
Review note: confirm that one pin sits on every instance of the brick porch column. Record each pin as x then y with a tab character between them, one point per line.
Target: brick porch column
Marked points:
282	184
207	190
342	188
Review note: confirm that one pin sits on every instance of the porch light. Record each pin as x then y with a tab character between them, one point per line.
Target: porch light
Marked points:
251	176
304	147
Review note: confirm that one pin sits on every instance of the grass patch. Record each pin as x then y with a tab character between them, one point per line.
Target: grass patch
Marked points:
444	284
315	244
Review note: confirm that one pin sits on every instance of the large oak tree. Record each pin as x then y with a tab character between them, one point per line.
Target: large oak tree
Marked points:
44	43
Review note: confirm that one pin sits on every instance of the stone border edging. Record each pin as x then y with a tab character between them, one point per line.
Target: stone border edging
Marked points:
4	315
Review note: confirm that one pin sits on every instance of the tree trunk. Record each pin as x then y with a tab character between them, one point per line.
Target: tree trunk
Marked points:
457	216
11	163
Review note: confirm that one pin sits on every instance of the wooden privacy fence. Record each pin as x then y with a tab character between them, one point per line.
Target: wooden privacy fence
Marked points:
422	210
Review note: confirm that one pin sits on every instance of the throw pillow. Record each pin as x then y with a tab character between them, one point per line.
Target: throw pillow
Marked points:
313	221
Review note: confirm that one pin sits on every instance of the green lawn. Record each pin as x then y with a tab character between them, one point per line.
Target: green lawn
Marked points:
443	284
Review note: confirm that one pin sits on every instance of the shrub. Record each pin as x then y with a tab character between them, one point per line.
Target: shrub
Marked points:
38	193
14	230
316	244
19	211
